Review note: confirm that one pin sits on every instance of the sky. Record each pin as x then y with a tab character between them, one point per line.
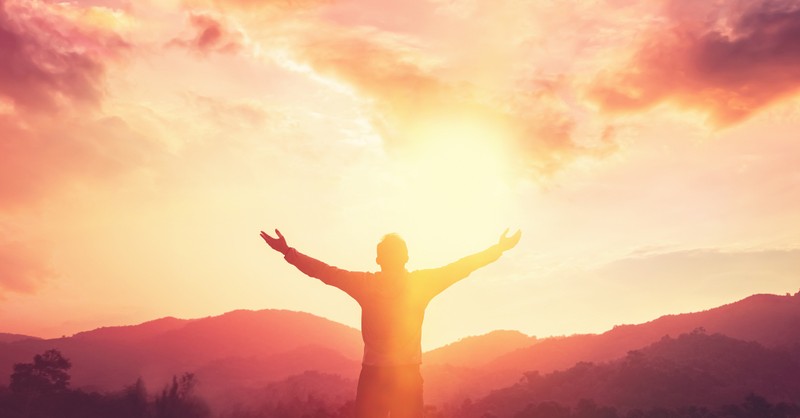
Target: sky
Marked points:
648	151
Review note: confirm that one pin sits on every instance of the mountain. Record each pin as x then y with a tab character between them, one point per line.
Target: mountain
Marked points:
10	338
693	369
133	333
302	395
263	346
246	350
458	370
475	351
771	320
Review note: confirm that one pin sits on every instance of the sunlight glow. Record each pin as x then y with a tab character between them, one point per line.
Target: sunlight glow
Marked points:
455	183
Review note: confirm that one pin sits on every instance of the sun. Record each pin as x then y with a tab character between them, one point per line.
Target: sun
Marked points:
456	181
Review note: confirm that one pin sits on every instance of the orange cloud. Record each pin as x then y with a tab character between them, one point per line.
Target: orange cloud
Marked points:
727	62
408	93
392	63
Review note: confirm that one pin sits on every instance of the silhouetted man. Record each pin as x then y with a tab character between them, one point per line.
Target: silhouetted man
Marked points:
393	303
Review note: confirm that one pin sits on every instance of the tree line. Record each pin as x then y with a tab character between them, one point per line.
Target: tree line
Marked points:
41	389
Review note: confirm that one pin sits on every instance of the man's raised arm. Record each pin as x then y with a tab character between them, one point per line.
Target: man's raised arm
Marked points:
445	276
348	281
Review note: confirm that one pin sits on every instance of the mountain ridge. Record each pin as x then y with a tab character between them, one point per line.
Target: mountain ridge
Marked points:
110	358
10	338
694	369
252	348
772	320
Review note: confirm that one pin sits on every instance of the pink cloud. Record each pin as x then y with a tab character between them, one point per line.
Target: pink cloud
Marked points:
705	267
279	4
22	268
53	63
210	35
47	60
271	8
728	62
52	73
51	152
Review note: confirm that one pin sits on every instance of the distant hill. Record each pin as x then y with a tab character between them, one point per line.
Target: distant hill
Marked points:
133	333
244	350
458	370
693	369
475	351
249	347
304	394
771	320
10	338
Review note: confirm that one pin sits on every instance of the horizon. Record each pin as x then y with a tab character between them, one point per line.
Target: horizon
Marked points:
148	142
424	349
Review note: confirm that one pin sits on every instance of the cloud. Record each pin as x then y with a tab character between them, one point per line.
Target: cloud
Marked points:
22	268
377	65
728	62
211	35
48	60
705	268
412	75
409	93
54	135
53	62
263	8
59	152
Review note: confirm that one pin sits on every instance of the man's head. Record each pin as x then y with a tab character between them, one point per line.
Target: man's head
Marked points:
392	253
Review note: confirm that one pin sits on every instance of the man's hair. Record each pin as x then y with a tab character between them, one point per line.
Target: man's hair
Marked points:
392	251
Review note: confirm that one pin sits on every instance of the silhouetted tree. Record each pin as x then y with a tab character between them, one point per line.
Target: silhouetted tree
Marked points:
178	401
431	411
548	409
587	408
347	410
134	399
47	374
662	413
695	412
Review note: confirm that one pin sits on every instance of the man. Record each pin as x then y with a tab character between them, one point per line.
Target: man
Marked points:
393	303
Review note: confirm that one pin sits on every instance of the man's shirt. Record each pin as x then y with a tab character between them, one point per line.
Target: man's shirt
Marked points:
392	303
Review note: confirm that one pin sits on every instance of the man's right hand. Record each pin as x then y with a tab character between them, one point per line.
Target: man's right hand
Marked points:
506	242
277	244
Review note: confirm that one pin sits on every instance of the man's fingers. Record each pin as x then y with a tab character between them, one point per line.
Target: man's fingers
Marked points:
509	241
279	234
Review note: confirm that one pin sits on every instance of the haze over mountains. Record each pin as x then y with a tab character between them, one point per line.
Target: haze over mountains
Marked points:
252	347
243	352
693	370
